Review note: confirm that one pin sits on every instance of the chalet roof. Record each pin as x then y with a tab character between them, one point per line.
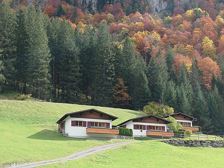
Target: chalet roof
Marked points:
82	111
147	116
174	114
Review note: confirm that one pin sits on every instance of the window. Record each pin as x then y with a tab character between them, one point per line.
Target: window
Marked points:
155	128
78	123
185	124
98	125
139	127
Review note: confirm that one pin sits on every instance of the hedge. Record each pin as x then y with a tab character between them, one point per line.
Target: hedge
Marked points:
125	132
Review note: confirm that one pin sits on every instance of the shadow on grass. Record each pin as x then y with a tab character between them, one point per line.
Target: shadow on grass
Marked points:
46	134
53	135
145	138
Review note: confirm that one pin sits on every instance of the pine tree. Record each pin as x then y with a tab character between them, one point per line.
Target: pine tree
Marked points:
183	104
194	76
2	77
38	54
121	96
216	110
170	94
219	82
200	108
7	44
169	62
138	86
68	64
104	68
53	31
87	43
125	59
33	53
184	82
132	69
22	53
157	77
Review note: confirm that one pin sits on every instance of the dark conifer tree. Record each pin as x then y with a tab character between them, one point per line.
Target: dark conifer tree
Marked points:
139	87
170	94
157	77
104	68
33	56
183	104
53	31
132	69
216	110
7	44
185	92
200	108
169	62
2	77
38	54
87	42
125	60
68	64
22	54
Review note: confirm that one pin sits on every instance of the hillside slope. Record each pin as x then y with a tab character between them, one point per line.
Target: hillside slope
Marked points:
29	133
37	112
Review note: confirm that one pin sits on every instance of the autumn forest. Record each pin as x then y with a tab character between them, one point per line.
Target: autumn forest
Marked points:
121	53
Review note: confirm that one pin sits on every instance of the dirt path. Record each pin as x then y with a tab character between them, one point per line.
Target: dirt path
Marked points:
74	156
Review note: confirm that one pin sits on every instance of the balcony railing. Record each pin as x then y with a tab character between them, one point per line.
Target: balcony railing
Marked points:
192	129
160	134
102	131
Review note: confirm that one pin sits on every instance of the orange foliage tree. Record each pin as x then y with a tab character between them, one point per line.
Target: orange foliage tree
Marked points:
180	60
209	69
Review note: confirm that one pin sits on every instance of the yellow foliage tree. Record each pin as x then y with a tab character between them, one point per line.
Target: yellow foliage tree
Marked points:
208	48
219	21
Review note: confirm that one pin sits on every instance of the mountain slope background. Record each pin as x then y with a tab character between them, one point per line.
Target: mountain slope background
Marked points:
122	53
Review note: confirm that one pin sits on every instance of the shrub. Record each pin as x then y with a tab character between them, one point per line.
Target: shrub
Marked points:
157	109
23	97
187	133
125	132
174	125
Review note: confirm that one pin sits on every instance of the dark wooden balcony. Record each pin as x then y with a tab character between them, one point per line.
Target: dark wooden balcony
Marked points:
102	131
160	134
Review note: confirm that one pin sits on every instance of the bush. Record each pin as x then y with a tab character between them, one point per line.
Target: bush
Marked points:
156	109
125	132
174	125
23	97
187	134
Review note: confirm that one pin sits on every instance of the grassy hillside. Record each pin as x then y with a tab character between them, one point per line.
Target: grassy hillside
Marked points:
36	112
151	154
28	133
28	130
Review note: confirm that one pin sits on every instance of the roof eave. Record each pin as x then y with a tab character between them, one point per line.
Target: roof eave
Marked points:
68	114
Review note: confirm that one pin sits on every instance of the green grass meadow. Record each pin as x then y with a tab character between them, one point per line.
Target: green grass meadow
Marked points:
151	154
28	130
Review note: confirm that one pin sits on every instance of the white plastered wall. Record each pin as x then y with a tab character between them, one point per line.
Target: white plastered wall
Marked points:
141	133
79	132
